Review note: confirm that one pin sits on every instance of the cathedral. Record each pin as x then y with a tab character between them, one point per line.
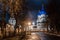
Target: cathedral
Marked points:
40	23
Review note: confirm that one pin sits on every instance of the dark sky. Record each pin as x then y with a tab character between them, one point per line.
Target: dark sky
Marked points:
36	4
51	6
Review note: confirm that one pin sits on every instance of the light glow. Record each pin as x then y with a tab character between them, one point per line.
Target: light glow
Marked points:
29	23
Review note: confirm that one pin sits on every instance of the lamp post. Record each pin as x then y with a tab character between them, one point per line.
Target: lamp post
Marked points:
29	27
29	24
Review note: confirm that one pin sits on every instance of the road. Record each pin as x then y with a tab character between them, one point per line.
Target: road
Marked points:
35	36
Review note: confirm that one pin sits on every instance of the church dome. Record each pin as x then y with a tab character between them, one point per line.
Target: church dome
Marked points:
42	11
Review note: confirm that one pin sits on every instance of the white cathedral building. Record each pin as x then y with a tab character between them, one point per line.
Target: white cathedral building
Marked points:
40	23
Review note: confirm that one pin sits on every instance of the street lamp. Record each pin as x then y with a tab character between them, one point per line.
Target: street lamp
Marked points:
29	27
29	23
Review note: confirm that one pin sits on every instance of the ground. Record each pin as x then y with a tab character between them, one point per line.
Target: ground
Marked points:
35	36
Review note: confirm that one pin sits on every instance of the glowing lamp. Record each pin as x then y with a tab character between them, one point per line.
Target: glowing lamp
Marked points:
29	23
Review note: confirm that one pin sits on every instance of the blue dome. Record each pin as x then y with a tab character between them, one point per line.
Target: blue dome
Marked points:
42	12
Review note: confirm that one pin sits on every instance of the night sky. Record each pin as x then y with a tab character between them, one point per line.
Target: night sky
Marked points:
36	4
51	6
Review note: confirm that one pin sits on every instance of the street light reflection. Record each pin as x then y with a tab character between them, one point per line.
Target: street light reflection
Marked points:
34	36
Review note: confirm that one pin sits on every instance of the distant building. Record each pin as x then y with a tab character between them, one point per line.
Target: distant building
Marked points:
40	23
12	21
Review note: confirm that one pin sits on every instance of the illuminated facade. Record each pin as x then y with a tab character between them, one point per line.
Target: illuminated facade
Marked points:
41	20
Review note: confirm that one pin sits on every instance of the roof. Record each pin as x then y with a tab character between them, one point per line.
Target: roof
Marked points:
42	11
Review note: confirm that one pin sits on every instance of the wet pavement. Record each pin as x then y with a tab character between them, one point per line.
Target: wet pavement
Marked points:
35	36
